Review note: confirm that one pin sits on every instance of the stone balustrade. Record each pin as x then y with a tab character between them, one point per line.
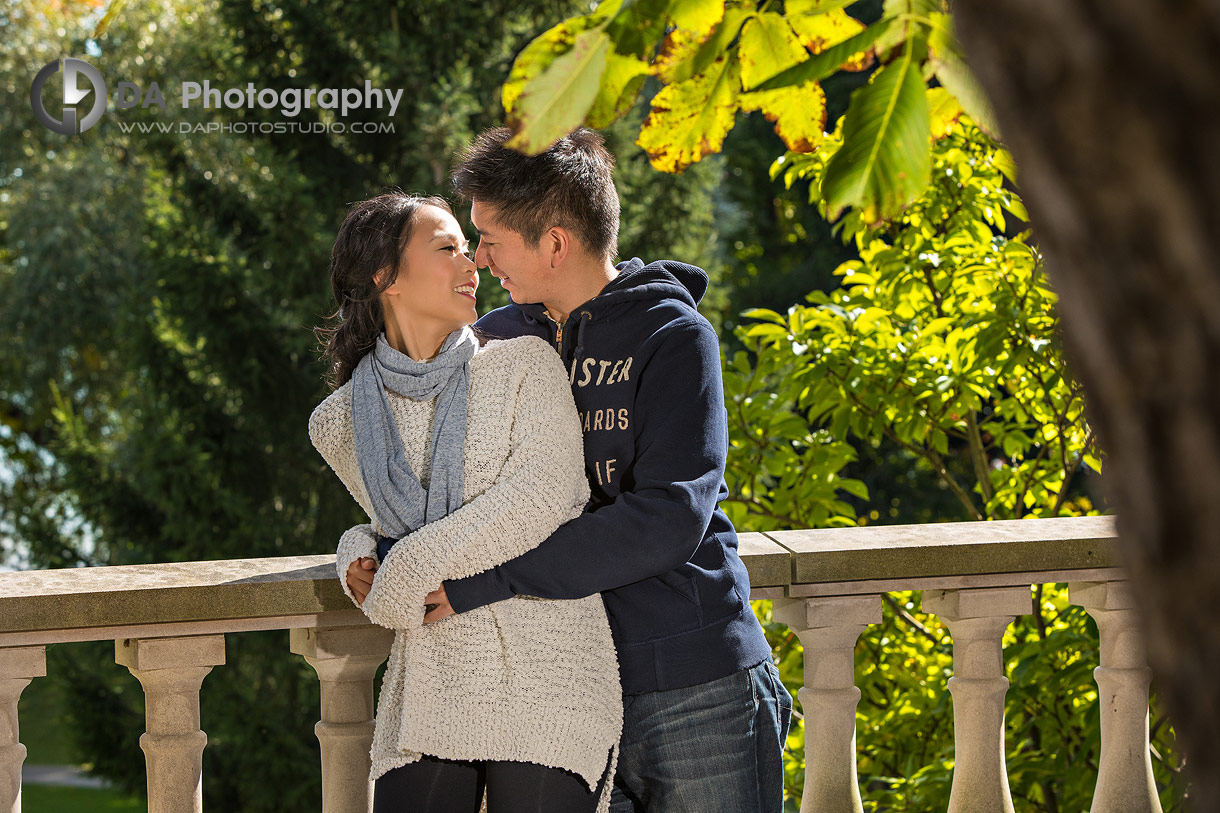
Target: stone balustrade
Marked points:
169	623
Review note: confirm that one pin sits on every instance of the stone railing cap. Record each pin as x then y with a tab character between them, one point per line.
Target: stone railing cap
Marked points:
245	590
950	549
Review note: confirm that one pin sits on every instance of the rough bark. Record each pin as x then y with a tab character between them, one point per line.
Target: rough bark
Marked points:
1112	111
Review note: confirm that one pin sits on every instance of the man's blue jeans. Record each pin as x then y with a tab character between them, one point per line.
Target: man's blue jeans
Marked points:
713	748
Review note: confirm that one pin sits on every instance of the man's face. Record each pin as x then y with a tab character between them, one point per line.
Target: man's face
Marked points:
523	270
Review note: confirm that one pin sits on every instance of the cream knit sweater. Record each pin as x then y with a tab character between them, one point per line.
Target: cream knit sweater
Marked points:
525	679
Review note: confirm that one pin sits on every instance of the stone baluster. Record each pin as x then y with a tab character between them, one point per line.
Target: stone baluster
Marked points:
1124	778
18	666
977	619
828	629
346	660
172	670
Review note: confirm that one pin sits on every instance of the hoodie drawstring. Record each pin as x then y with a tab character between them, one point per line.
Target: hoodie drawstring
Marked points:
578	338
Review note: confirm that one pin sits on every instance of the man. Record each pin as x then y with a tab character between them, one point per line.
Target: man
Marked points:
705	714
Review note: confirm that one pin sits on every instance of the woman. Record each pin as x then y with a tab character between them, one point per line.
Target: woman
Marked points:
463	457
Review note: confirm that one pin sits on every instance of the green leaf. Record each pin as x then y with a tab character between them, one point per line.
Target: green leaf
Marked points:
854	487
636	25
949	63
538	56
885	161
765	314
690	119
620	84
765	331
822	65
555	102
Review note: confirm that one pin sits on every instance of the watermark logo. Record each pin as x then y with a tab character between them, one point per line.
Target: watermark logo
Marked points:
74	70
84	87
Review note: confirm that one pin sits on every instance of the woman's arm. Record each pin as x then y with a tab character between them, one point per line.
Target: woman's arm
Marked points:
330	431
541	485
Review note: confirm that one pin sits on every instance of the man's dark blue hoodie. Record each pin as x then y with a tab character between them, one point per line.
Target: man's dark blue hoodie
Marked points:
645	371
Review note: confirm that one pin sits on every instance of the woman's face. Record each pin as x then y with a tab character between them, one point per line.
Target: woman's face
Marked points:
437	278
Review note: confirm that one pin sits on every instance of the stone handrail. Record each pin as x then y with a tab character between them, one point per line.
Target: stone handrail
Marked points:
168	622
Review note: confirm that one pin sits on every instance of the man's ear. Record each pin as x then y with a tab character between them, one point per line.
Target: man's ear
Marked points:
557	243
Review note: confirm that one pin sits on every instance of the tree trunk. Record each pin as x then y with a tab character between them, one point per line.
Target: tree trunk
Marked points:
1112	111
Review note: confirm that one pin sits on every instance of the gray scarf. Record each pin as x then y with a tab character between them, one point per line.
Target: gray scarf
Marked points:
399	500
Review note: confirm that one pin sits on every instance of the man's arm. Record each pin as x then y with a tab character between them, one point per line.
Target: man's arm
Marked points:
659	519
539	486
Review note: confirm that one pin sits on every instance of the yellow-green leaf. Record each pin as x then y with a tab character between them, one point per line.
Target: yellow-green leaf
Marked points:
1004	163
620	84
825	29
538	55
822	65
814	6
693	23
698	16
885	160
555	102
943	112
946	58
690	119
711	49
799	113
768	46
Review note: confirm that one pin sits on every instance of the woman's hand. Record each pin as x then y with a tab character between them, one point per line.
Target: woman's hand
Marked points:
360	577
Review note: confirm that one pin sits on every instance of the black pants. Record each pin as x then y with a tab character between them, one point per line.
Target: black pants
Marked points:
434	785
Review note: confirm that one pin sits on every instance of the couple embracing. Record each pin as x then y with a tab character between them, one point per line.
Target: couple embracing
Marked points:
572	622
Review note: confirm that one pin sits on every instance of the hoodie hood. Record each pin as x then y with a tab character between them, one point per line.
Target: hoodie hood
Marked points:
663	279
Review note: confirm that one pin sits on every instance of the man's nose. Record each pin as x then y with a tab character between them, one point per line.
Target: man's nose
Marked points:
480	257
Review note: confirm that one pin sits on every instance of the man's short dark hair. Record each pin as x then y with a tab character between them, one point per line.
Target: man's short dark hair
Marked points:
570	185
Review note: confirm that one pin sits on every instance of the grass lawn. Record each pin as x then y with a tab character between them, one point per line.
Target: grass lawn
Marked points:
49	799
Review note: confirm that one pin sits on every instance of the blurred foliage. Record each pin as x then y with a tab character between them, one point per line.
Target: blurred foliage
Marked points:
943	344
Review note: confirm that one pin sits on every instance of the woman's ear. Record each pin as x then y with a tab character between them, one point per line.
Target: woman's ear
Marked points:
379	277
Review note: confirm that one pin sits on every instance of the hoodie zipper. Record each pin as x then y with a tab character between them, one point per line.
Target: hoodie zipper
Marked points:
558	334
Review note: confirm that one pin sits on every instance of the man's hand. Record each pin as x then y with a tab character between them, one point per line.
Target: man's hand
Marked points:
360	577
437	605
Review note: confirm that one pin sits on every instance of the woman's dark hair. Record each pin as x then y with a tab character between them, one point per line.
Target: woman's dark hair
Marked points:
372	238
570	184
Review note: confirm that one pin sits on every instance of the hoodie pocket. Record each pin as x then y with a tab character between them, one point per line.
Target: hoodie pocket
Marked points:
659	607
